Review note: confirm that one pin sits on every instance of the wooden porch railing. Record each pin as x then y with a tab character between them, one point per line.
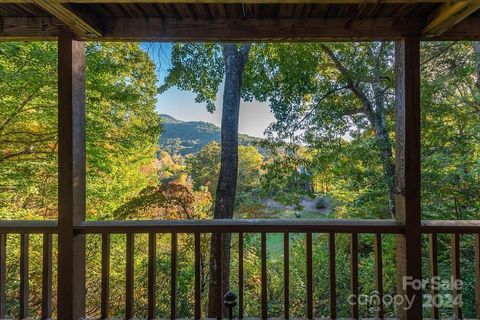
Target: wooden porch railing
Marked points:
240	227
455	229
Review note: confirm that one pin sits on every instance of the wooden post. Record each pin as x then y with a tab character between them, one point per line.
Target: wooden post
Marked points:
407	171
71	176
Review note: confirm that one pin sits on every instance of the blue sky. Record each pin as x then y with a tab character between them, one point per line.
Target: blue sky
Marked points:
254	116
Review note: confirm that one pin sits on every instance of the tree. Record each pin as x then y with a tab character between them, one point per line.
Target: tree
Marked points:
201	68
250	163
476	50
28	122
322	95
122	127
203	167
450	139
122	134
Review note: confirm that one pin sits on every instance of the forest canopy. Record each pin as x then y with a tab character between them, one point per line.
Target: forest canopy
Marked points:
328	154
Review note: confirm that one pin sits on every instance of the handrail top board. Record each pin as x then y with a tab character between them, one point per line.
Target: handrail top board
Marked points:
450	226
28	226
241	225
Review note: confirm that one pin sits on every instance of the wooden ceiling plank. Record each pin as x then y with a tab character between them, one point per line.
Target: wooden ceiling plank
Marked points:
238	1
449	15
79	26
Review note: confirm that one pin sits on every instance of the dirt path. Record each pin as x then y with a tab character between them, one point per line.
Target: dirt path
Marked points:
309	206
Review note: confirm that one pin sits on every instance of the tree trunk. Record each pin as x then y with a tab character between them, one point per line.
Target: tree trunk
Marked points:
476	50
375	113
234	58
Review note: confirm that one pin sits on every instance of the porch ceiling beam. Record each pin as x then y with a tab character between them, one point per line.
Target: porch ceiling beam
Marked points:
222	29
230	29
48	28
448	15
76	24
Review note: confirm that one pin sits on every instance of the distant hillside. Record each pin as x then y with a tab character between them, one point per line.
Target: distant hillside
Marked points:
185	137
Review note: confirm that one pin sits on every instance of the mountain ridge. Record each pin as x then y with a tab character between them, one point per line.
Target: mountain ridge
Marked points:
186	137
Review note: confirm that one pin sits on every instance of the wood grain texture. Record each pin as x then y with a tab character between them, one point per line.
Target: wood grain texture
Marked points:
235	1
3	274
198	277
76	24
354	274
455	263
268	29
173	275
433	259
448	15
379	274
309	268
450	226
105	293
264	286
240	276
477	274
241	30
24	276
152	275
219	271
71	177
286	274
26	226
47	277
407	172
240	225
332	275
129	277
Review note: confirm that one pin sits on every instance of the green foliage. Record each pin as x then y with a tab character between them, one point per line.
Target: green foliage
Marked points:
196	67
28	122
322	98
323	140
122	137
450	132
122	127
184	138
204	165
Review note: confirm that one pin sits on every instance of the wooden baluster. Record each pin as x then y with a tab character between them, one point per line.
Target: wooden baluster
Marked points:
47	277
286	274
379	274
457	309
240	275
477	274
219	268
198	277
354	279
332	275
3	273
129	285
24	239
308	249
264	276
173	276
432	253
105	295
152	278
